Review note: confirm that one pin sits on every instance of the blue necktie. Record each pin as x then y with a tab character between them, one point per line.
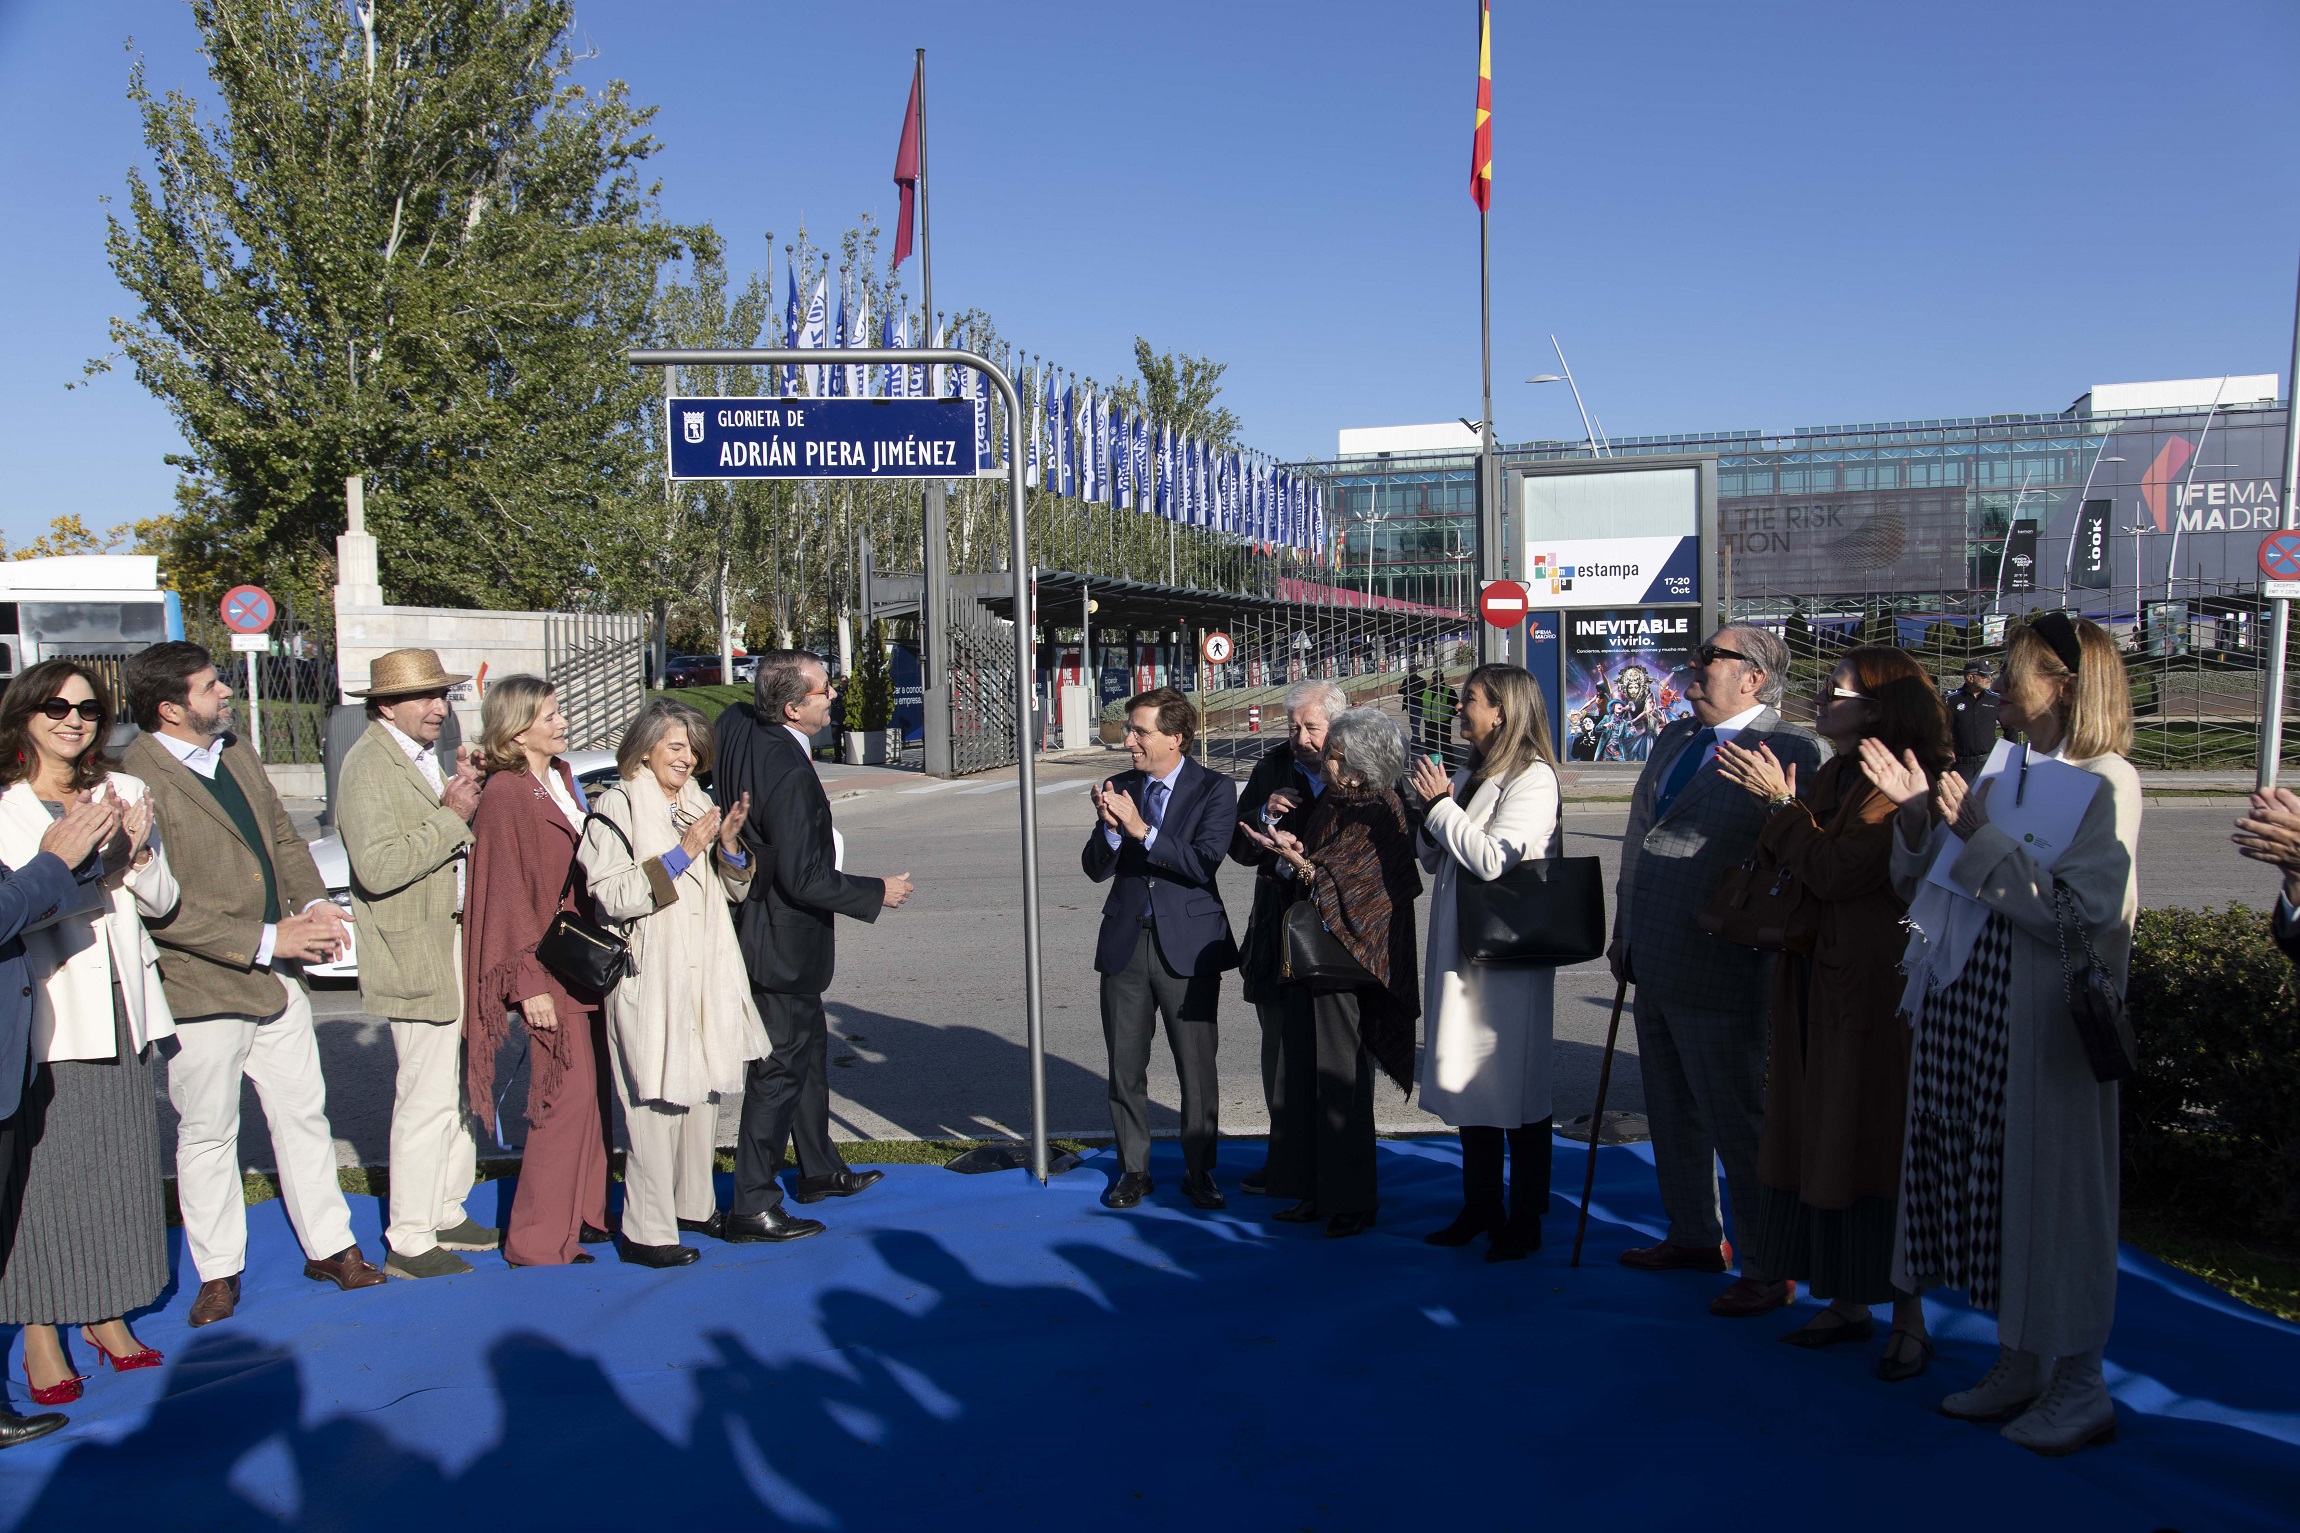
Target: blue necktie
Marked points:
1682	769
1155	794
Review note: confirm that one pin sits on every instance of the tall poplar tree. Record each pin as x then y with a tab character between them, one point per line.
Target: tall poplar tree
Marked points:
409	247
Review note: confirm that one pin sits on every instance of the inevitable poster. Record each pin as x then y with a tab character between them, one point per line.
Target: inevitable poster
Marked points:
1625	679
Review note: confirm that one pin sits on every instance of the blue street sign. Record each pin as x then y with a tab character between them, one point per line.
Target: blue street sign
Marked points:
822	438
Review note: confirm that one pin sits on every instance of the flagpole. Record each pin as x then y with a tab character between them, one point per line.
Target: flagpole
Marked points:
934	529
1489	510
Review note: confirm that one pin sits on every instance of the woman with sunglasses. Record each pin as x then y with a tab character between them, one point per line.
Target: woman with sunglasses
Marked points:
91	1240
1837	1068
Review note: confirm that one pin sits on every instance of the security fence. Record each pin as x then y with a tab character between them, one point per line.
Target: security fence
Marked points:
596	663
2195	655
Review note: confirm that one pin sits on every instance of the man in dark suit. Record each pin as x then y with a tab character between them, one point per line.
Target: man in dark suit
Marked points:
2270	833
1701	1001
788	944
44	888
1161	832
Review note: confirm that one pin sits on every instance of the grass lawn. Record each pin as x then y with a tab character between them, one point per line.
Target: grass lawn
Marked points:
713	700
2262	1276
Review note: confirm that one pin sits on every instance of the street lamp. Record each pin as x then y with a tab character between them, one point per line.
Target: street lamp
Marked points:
1566	378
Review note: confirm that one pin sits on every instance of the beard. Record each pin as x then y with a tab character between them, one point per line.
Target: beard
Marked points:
213	725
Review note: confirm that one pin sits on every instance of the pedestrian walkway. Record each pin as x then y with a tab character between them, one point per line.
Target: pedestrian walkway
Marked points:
983	1353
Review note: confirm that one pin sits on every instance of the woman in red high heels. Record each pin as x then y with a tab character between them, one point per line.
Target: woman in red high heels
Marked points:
91	1241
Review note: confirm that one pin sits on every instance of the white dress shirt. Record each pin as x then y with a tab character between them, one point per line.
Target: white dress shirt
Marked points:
1150	832
1728	730
426	759
204	759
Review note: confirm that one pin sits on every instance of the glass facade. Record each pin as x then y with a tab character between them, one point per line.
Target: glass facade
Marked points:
1919	513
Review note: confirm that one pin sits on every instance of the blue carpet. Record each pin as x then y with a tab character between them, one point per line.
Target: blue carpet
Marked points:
979	1352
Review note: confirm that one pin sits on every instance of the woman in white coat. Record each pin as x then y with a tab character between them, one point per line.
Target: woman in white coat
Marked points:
91	1242
2009	1176
681	1029
1485	1056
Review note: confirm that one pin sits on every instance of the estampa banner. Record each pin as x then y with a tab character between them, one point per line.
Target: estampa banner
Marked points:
1613	572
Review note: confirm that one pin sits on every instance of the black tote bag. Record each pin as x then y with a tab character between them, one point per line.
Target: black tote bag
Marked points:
1540	914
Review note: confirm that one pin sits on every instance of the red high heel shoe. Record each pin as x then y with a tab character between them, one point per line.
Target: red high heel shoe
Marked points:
147	1357
55	1394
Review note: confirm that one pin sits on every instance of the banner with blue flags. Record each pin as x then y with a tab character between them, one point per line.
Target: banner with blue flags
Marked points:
790	379
813	338
1165	499
890	383
985	453
1066	440
858	336
1138	449
838	375
1030	428
1123	455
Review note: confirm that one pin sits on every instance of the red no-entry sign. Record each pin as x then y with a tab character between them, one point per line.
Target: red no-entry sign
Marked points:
1503	603
247	609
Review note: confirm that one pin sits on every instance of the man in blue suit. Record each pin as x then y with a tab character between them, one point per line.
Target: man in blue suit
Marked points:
33	895
1163	830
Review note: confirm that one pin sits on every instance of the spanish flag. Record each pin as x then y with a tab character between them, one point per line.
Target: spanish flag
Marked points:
1481	140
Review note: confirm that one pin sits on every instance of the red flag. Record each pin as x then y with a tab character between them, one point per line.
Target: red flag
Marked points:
1481	139
906	168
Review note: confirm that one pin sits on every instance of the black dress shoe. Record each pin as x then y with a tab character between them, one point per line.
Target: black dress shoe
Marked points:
656	1256
1202	1191
1342	1226
1129	1190
713	1226
767	1224
1255	1184
839	1184
1304	1212
594	1236
16	1429
1467	1226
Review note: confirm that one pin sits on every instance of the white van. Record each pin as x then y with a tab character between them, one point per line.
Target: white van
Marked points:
83	604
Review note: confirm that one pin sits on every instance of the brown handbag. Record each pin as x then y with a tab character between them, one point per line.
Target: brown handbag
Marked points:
1761	904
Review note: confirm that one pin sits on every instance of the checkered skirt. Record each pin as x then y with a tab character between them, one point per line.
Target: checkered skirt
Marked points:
1953	1180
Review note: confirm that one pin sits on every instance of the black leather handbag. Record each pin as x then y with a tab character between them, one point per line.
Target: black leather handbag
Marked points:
1539	914
1314	956
583	954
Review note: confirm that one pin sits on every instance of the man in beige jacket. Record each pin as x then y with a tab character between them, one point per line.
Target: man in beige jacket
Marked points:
253	908
406	826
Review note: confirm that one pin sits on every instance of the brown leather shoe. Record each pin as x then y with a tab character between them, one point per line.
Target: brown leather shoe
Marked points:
215	1301
347	1269
1744	1297
1674	1258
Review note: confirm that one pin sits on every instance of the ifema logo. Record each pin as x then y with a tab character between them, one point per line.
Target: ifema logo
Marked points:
1558	576
2176	502
693	422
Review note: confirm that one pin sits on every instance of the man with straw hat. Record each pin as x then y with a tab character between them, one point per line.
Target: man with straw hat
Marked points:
406	825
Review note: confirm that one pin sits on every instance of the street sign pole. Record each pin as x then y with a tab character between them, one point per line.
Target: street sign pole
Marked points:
1034	1012
2280	624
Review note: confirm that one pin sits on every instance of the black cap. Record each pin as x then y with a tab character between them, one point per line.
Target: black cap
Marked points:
1978	668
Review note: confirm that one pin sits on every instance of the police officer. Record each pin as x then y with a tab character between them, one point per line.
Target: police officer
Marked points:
1973	721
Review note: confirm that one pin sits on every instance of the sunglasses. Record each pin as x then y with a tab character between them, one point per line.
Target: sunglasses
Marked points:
1710	654
58	709
1826	692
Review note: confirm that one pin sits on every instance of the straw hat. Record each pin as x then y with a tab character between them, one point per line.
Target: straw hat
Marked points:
405	673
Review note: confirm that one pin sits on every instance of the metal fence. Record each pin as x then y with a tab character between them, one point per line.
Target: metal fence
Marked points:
981	687
597	663
2195	655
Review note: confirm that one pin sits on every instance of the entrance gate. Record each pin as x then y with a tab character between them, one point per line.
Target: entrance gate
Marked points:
983	732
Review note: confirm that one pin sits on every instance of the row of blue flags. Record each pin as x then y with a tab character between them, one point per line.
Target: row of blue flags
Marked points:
1094	450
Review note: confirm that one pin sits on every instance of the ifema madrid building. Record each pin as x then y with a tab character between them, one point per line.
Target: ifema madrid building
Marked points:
2141	505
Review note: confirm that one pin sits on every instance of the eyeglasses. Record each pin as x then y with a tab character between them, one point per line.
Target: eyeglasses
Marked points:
825	691
1710	654
1826	691
57	708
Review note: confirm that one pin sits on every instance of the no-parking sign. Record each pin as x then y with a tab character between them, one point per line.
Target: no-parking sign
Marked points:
247	609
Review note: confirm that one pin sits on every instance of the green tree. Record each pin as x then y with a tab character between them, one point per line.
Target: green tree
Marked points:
1180	390
410	247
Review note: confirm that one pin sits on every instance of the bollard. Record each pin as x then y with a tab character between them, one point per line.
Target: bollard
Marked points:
1253	720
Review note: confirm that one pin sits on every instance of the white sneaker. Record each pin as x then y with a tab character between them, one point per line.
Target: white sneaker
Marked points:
2075	1413
2011	1387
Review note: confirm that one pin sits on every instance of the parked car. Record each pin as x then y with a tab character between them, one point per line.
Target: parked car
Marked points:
691	671
593	769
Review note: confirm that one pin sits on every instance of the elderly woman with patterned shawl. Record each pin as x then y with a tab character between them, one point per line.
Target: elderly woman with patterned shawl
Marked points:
1355	861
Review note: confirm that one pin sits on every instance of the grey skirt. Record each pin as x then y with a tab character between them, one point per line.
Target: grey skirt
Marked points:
92	1240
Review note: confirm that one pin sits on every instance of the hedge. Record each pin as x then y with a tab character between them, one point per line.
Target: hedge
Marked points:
2211	1122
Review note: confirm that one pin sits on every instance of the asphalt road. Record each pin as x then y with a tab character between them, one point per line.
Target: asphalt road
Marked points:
927	1011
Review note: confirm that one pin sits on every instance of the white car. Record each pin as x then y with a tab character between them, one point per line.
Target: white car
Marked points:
593	769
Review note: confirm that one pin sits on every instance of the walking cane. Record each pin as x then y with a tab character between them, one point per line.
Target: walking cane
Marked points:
1597	1120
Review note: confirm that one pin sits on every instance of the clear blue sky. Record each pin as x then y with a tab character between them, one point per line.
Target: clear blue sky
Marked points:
1750	215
